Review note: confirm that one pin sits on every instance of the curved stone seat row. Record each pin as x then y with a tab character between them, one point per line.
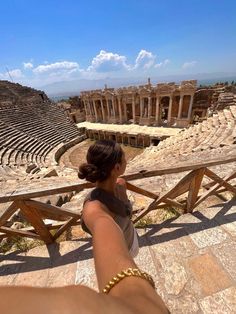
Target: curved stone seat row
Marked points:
211	139
29	132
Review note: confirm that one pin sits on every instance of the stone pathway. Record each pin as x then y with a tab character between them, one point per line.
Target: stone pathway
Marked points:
130	128
192	259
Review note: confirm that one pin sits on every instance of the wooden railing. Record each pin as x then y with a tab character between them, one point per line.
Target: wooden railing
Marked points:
186	195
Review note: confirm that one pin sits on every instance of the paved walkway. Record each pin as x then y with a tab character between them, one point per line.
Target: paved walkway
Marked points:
130	128
192	258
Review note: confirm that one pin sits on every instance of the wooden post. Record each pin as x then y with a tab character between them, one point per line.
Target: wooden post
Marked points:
194	189
36	221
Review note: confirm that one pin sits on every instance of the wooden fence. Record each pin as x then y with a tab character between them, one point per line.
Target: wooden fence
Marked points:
190	189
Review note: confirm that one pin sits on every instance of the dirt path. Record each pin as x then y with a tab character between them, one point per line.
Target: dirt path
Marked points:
77	154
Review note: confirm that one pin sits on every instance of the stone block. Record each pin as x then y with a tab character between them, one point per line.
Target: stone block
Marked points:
34	268
208	237
229	297
174	250
9	268
209	274
186	304
175	278
63	264
221	302
230	228
85	274
226	253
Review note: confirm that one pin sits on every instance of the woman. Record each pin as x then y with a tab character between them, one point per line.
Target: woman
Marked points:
105	163
124	289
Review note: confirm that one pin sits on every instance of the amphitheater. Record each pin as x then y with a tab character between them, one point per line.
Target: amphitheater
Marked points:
182	189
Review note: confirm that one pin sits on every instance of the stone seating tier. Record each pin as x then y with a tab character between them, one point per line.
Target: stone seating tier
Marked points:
211	139
30	131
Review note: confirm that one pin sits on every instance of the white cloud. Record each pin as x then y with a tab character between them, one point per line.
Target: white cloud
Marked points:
14	74
189	64
144	60
28	65
63	66
108	62
162	64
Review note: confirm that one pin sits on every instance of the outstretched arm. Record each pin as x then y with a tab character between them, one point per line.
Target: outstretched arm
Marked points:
131	295
111	256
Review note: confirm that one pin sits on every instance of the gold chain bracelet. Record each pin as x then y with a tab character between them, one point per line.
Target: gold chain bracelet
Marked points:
128	273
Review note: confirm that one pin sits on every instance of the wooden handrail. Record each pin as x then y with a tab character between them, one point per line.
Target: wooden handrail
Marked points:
22	195
186	194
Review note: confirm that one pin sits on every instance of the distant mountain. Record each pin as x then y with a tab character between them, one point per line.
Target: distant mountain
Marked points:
71	88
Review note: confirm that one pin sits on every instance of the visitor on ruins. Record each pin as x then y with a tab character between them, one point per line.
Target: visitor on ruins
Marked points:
105	163
123	288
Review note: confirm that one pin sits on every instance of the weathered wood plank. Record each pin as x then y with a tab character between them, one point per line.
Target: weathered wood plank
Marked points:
171	202
213	190
139	175
159	172
141	191
21	195
210	184
63	228
194	189
144	212
36	221
219	180
51	211
17	232
49	226
181	187
8	213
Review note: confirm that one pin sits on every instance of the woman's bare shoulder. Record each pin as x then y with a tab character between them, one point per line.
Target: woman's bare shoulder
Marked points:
92	211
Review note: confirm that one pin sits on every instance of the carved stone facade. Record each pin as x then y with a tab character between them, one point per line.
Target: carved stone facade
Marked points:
165	104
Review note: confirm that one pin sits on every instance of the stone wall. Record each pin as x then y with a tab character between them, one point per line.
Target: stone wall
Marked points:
165	104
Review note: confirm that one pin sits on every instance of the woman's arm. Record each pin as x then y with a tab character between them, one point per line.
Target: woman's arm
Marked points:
111	256
130	296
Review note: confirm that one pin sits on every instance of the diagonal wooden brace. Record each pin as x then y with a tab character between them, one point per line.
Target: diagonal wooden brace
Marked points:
36	221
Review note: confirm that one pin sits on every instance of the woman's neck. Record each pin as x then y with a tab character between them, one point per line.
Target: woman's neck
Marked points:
107	185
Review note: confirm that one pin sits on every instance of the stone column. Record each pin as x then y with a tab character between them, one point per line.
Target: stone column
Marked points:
180	106
141	107
190	108
113	107
120	111
95	110
133	108
125	112
91	109
108	109
158	110
149	107
103	113
85	108
170	108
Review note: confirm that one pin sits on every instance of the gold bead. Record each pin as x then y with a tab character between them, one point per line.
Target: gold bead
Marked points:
127	273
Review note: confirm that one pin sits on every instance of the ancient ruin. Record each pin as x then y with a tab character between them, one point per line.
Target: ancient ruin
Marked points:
166	104
188	175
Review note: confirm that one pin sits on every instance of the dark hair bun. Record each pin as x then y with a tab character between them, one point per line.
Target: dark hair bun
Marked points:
91	173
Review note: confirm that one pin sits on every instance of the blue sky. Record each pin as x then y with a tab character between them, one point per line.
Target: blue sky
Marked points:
43	42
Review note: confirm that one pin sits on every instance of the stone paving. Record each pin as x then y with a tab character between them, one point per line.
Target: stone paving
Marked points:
130	128
192	259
